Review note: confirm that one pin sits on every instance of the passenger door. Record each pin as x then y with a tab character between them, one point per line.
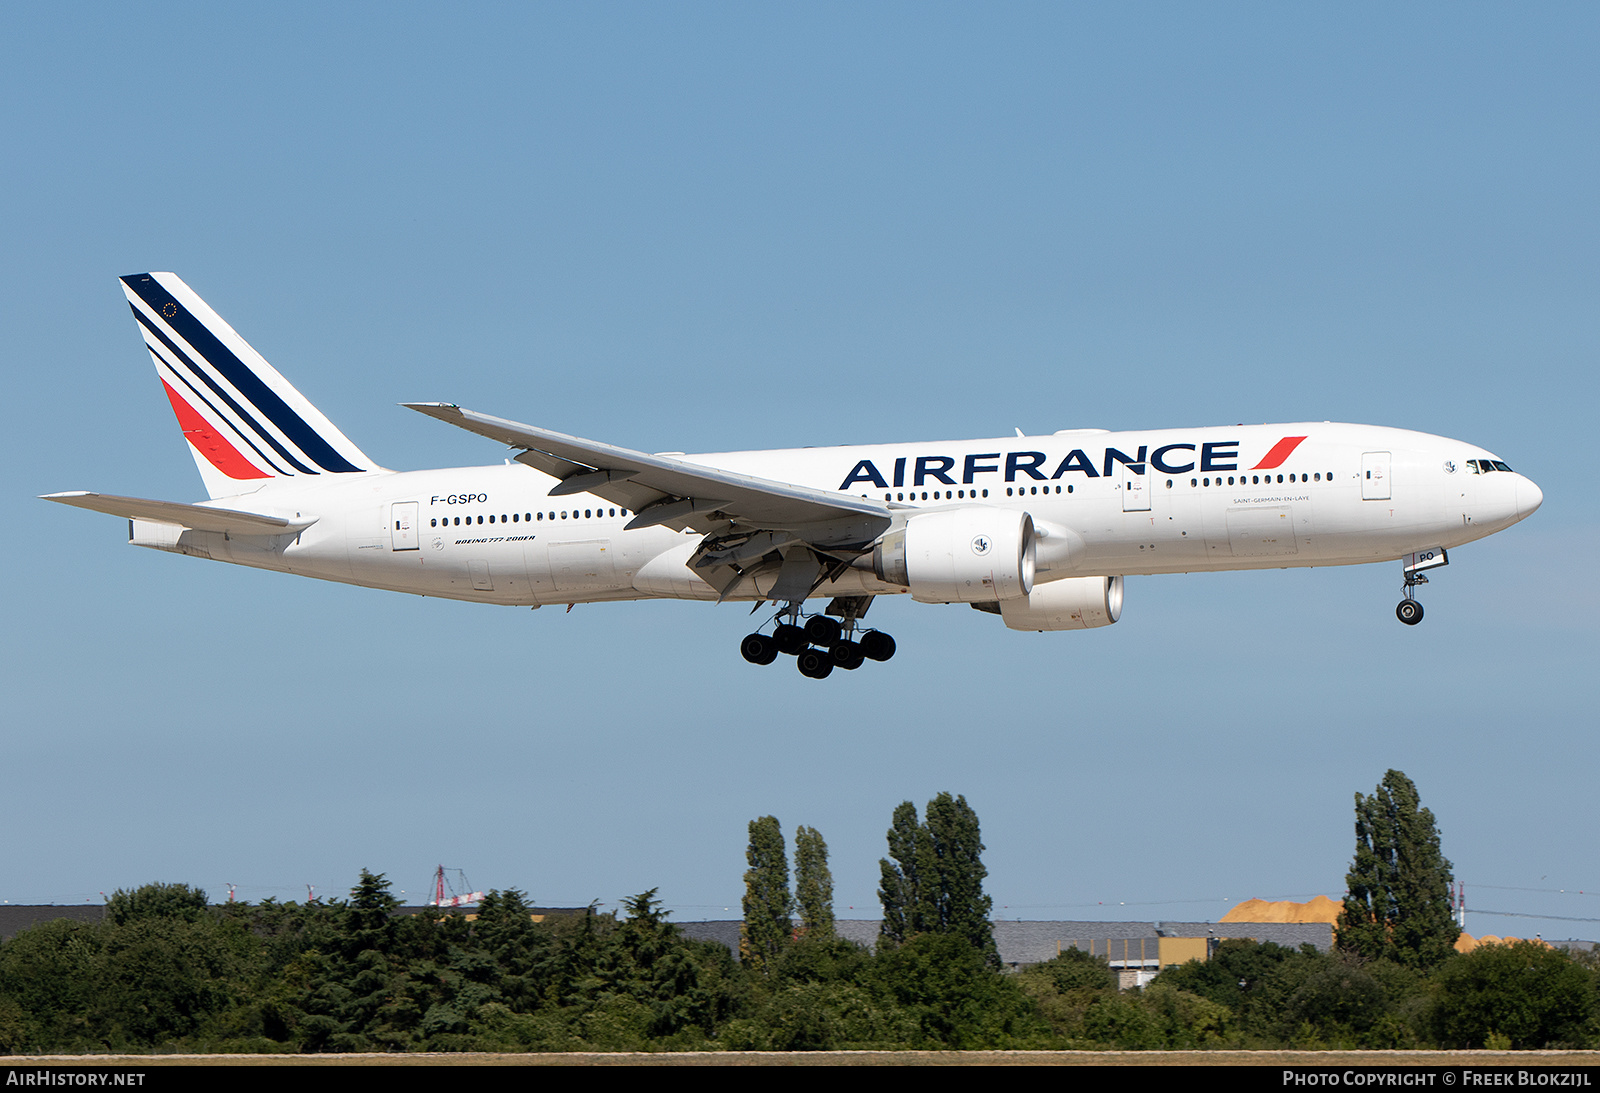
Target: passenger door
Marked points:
1375	476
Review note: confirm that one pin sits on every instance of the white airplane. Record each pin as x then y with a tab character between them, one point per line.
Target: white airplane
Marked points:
1039	530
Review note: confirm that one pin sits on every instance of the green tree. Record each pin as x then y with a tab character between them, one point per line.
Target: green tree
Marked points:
767	902
932	881
813	883
156	901
1074	969
900	888
1398	903
959	903
1526	992
949	996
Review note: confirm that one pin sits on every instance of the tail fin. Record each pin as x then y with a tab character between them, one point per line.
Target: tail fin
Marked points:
244	421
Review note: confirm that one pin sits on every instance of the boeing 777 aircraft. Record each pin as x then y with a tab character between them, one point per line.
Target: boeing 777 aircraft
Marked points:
1039	530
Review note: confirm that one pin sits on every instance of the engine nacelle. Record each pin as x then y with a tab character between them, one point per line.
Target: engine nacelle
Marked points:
977	554
1072	603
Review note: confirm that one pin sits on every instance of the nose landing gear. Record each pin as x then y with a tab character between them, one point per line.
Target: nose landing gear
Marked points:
1409	611
823	643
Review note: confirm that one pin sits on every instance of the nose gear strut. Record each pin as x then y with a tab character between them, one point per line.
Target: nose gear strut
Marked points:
1409	611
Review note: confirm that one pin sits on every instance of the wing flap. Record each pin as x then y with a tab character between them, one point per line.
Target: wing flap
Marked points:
195	517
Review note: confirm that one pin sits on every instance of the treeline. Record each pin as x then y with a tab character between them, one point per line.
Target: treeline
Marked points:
165	973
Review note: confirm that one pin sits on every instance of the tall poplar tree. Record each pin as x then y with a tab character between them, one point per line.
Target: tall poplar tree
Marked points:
813	883
957	848
932	881
900	888
1398	903
767	902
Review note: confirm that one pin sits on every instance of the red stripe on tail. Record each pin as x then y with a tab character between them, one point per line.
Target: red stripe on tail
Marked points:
218	452
1282	450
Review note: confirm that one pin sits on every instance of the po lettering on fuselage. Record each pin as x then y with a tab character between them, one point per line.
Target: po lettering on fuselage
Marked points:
915	471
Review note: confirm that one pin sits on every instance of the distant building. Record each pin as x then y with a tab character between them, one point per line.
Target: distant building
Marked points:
15	918
1138	950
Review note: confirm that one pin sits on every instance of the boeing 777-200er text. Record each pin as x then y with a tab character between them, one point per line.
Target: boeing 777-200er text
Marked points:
1039	530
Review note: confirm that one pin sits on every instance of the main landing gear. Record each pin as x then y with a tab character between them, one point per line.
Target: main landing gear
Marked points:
823	643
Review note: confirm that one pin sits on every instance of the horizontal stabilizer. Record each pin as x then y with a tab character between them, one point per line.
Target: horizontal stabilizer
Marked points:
196	517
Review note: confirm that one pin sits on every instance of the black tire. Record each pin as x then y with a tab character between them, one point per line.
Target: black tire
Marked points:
876	645
1409	612
815	663
790	639
848	655
759	649
823	630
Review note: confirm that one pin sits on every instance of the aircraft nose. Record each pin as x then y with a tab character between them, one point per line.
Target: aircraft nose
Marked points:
1529	497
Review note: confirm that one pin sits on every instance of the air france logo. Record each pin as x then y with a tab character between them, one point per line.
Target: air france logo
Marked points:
1208	457
981	545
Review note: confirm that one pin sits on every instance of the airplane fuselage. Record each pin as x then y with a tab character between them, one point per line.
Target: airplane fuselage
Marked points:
1140	502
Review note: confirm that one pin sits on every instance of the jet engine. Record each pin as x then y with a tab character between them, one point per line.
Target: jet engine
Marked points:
1072	603
976	554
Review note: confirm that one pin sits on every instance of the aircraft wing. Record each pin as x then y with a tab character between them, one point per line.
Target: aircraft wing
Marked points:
195	517
666	490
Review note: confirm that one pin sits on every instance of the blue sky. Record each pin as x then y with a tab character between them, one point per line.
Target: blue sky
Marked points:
714	227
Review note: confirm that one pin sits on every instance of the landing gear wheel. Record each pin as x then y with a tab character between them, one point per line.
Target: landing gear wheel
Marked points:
759	649
822	630
815	663
791	639
848	655
1409	612
876	645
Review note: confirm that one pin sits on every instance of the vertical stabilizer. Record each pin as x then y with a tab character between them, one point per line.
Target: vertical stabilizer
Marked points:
244	422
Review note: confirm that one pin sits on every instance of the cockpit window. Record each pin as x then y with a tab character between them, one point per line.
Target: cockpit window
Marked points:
1485	466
